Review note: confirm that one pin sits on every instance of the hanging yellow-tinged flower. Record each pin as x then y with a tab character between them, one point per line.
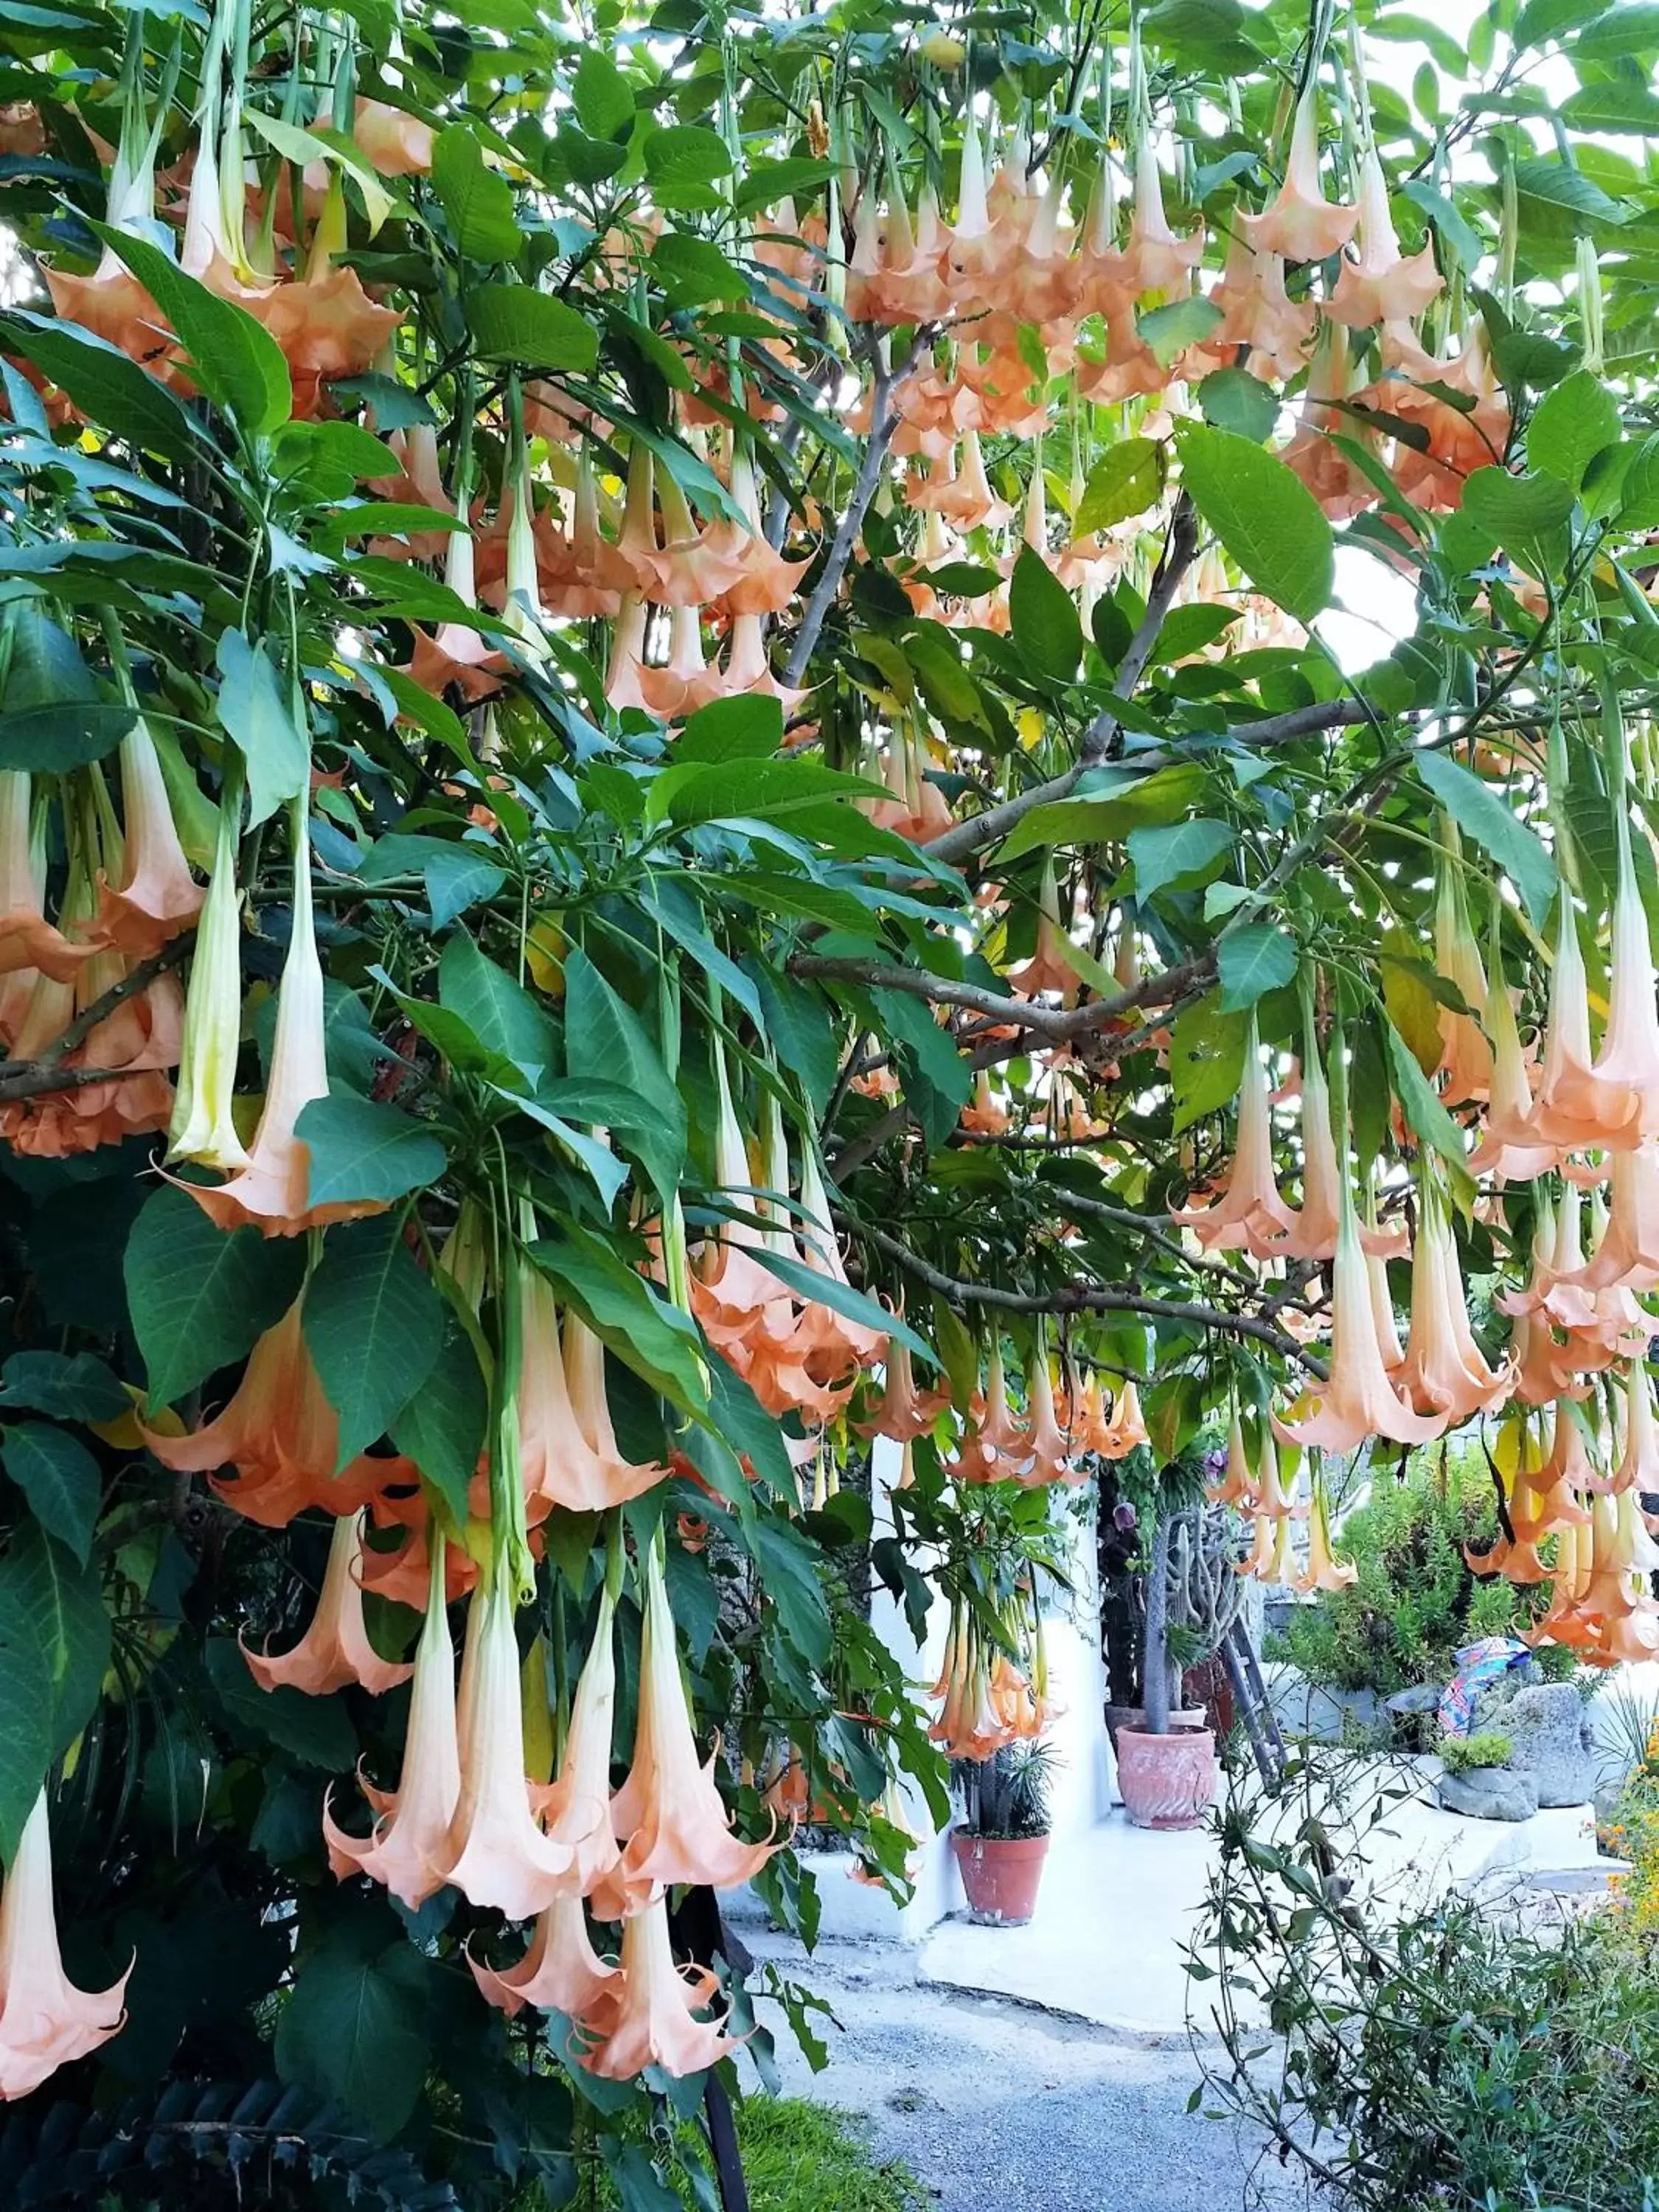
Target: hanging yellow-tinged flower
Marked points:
203	1126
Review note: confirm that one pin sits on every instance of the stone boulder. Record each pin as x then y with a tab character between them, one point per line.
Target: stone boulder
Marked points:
1549	1728
1489	1793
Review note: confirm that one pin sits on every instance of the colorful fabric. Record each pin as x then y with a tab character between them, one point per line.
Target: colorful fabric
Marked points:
1478	1666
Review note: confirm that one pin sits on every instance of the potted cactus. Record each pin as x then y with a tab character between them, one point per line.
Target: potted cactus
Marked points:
1002	1840
1166	1766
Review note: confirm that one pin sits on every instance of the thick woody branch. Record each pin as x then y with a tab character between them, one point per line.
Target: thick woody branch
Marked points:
31	1078
990	828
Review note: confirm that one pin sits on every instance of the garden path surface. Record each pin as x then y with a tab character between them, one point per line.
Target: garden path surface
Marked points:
998	2106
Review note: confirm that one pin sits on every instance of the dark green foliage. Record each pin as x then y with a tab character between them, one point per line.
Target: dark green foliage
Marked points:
1415	1602
1471	2057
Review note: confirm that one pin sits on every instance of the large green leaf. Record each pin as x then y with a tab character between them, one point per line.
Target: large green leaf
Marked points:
1571	426
499	1011
1165	859
106	386
52	716
442	1427
1479	810
355	2030
724	791
1424	1115
361	1149
632	1318
1252	958
68	1387
374	1326
1126	480
1042	616
199	1298
253	708
315	1731
59	1477
58	1607
605	1041
601	95
477	199
1206	1059
516	323
233	358
26	1706
1265	516
1517	510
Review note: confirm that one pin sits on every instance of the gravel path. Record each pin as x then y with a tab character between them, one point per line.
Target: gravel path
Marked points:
998	2107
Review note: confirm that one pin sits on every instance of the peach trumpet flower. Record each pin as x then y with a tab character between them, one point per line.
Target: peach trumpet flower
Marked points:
456	653
655	2023
408	1848
1506	1149
1301	224
335	1650
272	1193
1383	285
29	945
1238	1484
1156	260
281	1435
561	1971
575	1808
1357	1400
568	1449
1577	1108
670	1808
1324	1571
902	1412
45	2021
157	896
1250	1212
1628	1255
497	1855
1443	1372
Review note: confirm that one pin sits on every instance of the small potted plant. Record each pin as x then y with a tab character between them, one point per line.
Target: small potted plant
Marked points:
1002	1839
1166	1773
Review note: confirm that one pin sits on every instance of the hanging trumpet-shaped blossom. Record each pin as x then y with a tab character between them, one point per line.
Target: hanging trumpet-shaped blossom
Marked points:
1324	1572
577	1808
498	1855
335	1650
1301	224
1443	1370
157	895
45	2021
408	1847
273	1192
1249	1212
670	1810
204	1128
655	2020
561	1971
1357	1399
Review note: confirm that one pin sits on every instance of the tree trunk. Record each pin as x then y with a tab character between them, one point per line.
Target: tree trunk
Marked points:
1156	1668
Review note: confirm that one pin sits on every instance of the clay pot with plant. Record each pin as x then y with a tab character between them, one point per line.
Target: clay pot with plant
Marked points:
1002	1840
1166	1767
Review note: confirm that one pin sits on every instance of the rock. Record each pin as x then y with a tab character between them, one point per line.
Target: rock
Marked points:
1489	1793
1305	1710
1549	1728
1421	1698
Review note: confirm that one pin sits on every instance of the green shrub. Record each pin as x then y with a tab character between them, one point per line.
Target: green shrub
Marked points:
1458	2058
1464	1754
1415	1602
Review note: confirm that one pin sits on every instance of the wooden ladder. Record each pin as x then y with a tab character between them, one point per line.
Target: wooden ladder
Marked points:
1252	1707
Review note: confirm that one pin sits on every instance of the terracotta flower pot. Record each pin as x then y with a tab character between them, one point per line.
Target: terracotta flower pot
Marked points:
1166	1780
1135	1717
1000	1875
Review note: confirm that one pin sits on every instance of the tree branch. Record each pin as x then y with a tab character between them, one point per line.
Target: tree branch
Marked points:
1180	551
1084	1298
31	1078
883	423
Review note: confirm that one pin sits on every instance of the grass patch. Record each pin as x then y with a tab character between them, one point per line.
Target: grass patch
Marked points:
800	2157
